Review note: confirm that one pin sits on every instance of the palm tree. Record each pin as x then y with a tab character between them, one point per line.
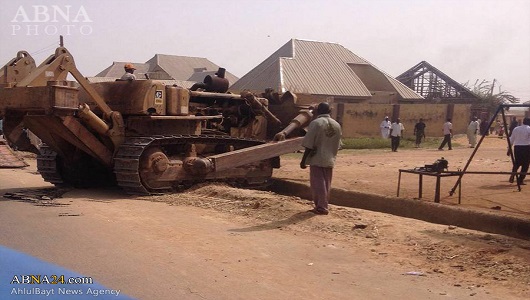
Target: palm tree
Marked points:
489	100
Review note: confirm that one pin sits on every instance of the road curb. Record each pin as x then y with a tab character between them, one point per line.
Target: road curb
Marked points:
422	210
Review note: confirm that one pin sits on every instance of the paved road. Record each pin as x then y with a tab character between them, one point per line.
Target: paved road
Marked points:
151	250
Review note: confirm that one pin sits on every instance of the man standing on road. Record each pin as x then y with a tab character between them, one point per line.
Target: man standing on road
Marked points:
321	143
448	133
396	131
520	139
472	131
419	132
385	128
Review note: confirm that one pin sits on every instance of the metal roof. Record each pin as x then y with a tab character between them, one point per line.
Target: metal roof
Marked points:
265	75
321	68
186	67
404	91
311	67
199	76
116	69
169	67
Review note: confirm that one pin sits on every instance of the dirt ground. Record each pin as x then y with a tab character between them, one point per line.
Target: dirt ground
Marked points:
470	259
376	171
470	263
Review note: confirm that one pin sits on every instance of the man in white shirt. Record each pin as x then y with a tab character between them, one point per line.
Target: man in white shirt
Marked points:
472	131
396	131
385	128
448	133
520	139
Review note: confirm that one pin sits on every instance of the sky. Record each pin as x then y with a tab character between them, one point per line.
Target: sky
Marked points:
468	40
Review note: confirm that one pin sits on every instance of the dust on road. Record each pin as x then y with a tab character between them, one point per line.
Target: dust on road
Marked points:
472	263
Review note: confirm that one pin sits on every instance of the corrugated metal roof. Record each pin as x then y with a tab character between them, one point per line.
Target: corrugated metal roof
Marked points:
186	67
306	67
404	91
315	68
321	68
183	68
265	75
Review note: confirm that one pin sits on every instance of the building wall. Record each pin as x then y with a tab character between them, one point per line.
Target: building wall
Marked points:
434	115
363	119
461	118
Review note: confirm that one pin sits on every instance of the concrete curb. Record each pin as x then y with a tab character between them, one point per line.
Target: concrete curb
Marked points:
422	210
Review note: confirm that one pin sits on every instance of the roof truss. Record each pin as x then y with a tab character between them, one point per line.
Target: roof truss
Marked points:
433	84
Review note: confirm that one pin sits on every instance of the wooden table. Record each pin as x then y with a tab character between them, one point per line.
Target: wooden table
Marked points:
438	176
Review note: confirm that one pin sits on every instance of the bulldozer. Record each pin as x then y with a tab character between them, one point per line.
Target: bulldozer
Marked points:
143	135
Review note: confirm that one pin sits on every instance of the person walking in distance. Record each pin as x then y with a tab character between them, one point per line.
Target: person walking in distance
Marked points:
448	133
419	132
513	124
492	127
396	132
472	131
520	139
321	143
385	128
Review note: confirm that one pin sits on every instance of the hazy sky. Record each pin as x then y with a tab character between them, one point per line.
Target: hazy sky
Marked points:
466	39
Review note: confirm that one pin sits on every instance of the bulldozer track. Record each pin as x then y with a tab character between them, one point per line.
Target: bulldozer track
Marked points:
127	158
47	165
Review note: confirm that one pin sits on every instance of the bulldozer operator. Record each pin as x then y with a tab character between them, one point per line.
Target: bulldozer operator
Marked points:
129	72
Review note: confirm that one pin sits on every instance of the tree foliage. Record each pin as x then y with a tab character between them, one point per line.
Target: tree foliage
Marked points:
491	96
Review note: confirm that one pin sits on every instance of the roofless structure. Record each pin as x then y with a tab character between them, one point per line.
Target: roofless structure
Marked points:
434	85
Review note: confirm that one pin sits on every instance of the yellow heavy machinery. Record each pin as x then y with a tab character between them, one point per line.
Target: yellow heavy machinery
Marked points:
145	136
13	72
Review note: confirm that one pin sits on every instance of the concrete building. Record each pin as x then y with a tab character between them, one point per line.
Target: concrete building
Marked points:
321	71
361	94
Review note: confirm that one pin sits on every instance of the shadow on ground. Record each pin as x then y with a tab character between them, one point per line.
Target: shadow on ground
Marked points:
298	217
